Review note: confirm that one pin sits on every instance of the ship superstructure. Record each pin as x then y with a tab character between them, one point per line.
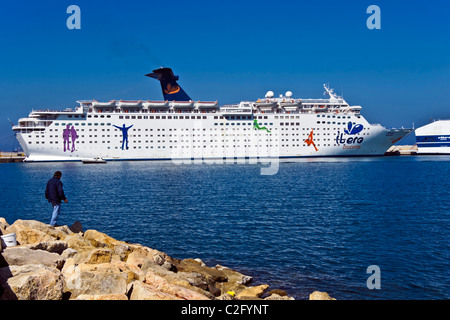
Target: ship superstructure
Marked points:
181	128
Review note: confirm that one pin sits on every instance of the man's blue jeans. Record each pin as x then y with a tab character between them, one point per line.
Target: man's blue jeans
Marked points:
55	214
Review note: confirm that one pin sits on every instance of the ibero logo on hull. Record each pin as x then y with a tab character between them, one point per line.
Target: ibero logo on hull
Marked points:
350	142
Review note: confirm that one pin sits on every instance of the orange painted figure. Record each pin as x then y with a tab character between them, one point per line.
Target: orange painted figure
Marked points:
310	141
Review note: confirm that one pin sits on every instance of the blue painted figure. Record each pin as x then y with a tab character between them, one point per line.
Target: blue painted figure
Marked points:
124	134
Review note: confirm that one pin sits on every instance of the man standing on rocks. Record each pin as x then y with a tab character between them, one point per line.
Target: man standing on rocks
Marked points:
54	193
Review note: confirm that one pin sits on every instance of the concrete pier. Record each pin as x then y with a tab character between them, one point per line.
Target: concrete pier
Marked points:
402	150
7	157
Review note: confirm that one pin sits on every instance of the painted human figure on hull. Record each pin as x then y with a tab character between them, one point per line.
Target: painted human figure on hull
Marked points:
124	135
74	136
69	135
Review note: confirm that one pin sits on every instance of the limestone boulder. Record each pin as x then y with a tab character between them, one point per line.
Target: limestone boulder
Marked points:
211	274
32	232
93	256
31	282
235	276
102	297
77	242
275	296
93	279
56	246
252	292
161	284
3	226
138	290
317	295
100	240
18	256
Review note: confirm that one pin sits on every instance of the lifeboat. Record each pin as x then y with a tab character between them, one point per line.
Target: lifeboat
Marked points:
129	104
321	107
182	104
206	104
155	104
290	103
109	104
265	103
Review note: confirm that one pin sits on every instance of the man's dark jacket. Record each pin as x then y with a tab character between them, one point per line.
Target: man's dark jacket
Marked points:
54	191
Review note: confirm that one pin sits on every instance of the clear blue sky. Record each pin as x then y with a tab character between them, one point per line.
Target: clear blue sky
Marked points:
227	51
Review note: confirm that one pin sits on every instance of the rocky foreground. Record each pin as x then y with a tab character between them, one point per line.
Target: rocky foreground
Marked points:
62	263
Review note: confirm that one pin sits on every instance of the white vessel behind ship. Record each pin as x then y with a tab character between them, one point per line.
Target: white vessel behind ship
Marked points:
434	138
181	128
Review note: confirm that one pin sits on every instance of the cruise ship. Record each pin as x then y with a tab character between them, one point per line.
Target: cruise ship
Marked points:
179	127
434	138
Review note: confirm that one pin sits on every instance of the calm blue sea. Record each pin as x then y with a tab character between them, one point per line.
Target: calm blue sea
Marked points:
317	224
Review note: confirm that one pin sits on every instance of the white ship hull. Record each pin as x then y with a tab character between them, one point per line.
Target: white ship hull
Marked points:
434	138
158	139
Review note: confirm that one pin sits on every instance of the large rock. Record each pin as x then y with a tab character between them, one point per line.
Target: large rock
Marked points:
56	246
93	279
19	256
102	297
31	282
94	256
191	265
3	226
253	292
317	295
31	232
161	284
141	291
78	242
275	296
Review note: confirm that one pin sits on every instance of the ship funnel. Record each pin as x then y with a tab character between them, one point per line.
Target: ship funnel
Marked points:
170	88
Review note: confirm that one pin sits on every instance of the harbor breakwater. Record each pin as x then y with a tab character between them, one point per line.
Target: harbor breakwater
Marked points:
65	263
